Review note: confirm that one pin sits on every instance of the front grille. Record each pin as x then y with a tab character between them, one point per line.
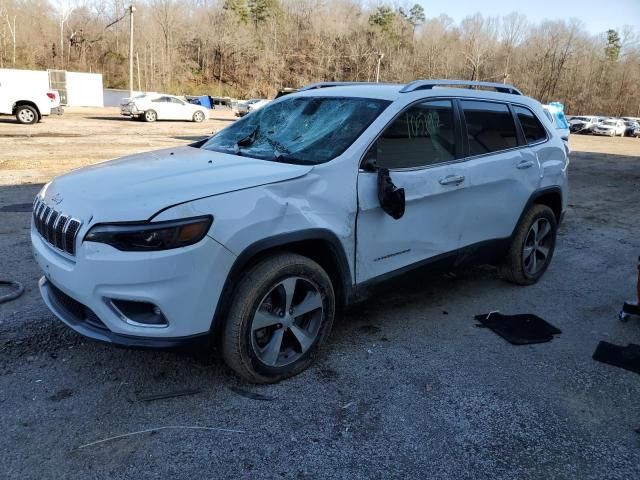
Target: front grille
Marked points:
80	312
56	228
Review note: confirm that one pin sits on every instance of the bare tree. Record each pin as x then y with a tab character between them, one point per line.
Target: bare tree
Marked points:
255	47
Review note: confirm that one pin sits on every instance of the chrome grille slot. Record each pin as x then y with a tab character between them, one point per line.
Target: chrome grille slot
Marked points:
59	235
72	230
56	228
53	217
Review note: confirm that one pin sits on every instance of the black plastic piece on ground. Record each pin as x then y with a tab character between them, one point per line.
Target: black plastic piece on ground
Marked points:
523	329
624	357
631	308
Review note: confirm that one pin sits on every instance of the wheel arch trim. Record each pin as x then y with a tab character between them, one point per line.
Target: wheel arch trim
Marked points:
550	191
294	240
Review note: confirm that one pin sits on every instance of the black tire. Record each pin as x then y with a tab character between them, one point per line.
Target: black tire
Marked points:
150	116
239	341
523	269
27	115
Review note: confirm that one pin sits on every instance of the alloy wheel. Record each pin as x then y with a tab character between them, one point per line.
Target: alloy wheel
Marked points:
287	322
537	246
26	115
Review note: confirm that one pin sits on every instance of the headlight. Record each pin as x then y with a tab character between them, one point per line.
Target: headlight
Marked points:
143	237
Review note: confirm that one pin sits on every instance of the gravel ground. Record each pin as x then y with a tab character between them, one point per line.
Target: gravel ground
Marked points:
407	387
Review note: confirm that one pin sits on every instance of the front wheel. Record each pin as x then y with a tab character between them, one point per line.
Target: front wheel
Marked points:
281	314
532	246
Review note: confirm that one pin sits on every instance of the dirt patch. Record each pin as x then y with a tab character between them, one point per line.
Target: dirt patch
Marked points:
85	136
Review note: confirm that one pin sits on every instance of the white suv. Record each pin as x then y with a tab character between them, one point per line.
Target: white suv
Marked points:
257	236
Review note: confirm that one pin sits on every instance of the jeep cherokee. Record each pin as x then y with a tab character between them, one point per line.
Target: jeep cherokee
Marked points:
256	236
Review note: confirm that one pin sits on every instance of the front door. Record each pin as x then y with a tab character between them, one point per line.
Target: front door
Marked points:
421	149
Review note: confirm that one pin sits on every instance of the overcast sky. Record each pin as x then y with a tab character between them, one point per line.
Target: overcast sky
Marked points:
597	15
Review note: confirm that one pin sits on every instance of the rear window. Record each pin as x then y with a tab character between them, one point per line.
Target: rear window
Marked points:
490	127
531	126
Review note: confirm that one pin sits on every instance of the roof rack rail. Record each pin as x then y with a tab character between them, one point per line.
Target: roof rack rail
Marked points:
314	86
429	84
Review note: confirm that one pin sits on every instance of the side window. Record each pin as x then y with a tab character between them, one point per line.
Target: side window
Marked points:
490	127
531	126
422	135
175	100
161	100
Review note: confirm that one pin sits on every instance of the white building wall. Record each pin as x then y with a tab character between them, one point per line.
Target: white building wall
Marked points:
113	97
84	89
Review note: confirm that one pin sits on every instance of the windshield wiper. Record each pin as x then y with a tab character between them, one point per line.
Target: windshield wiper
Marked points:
278	157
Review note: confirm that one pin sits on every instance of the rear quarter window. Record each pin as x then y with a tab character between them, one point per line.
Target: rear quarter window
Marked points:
531	126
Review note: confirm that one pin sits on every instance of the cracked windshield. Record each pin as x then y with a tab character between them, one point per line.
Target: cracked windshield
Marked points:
307	130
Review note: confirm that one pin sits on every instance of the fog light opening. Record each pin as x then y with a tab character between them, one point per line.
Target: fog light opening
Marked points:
136	313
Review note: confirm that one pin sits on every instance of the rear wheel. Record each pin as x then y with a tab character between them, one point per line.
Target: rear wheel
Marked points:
150	116
532	246
281	314
27	115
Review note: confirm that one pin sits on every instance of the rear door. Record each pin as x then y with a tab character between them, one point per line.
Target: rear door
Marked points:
422	150
500	172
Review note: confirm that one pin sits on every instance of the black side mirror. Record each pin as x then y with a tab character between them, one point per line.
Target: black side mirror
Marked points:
391	198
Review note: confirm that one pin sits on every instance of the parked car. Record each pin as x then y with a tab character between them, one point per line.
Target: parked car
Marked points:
25	95
249	106
255	237
584	124
152	107
632	129
611	127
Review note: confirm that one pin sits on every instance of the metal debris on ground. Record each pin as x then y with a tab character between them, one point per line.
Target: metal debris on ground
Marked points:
250	395
156	429
163	396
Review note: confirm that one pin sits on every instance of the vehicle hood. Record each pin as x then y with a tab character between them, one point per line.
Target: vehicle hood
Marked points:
136	187
605	127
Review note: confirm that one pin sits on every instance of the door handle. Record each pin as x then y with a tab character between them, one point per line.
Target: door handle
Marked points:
524	164
451	180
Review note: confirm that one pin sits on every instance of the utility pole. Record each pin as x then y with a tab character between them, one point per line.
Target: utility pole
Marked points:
131	10
380	57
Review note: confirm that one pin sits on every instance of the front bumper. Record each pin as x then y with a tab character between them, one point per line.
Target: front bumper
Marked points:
90	326
184	283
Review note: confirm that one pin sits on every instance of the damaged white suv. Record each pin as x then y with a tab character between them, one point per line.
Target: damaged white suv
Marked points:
256	236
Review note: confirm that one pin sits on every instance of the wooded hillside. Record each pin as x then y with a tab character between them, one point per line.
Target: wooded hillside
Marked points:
255	47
